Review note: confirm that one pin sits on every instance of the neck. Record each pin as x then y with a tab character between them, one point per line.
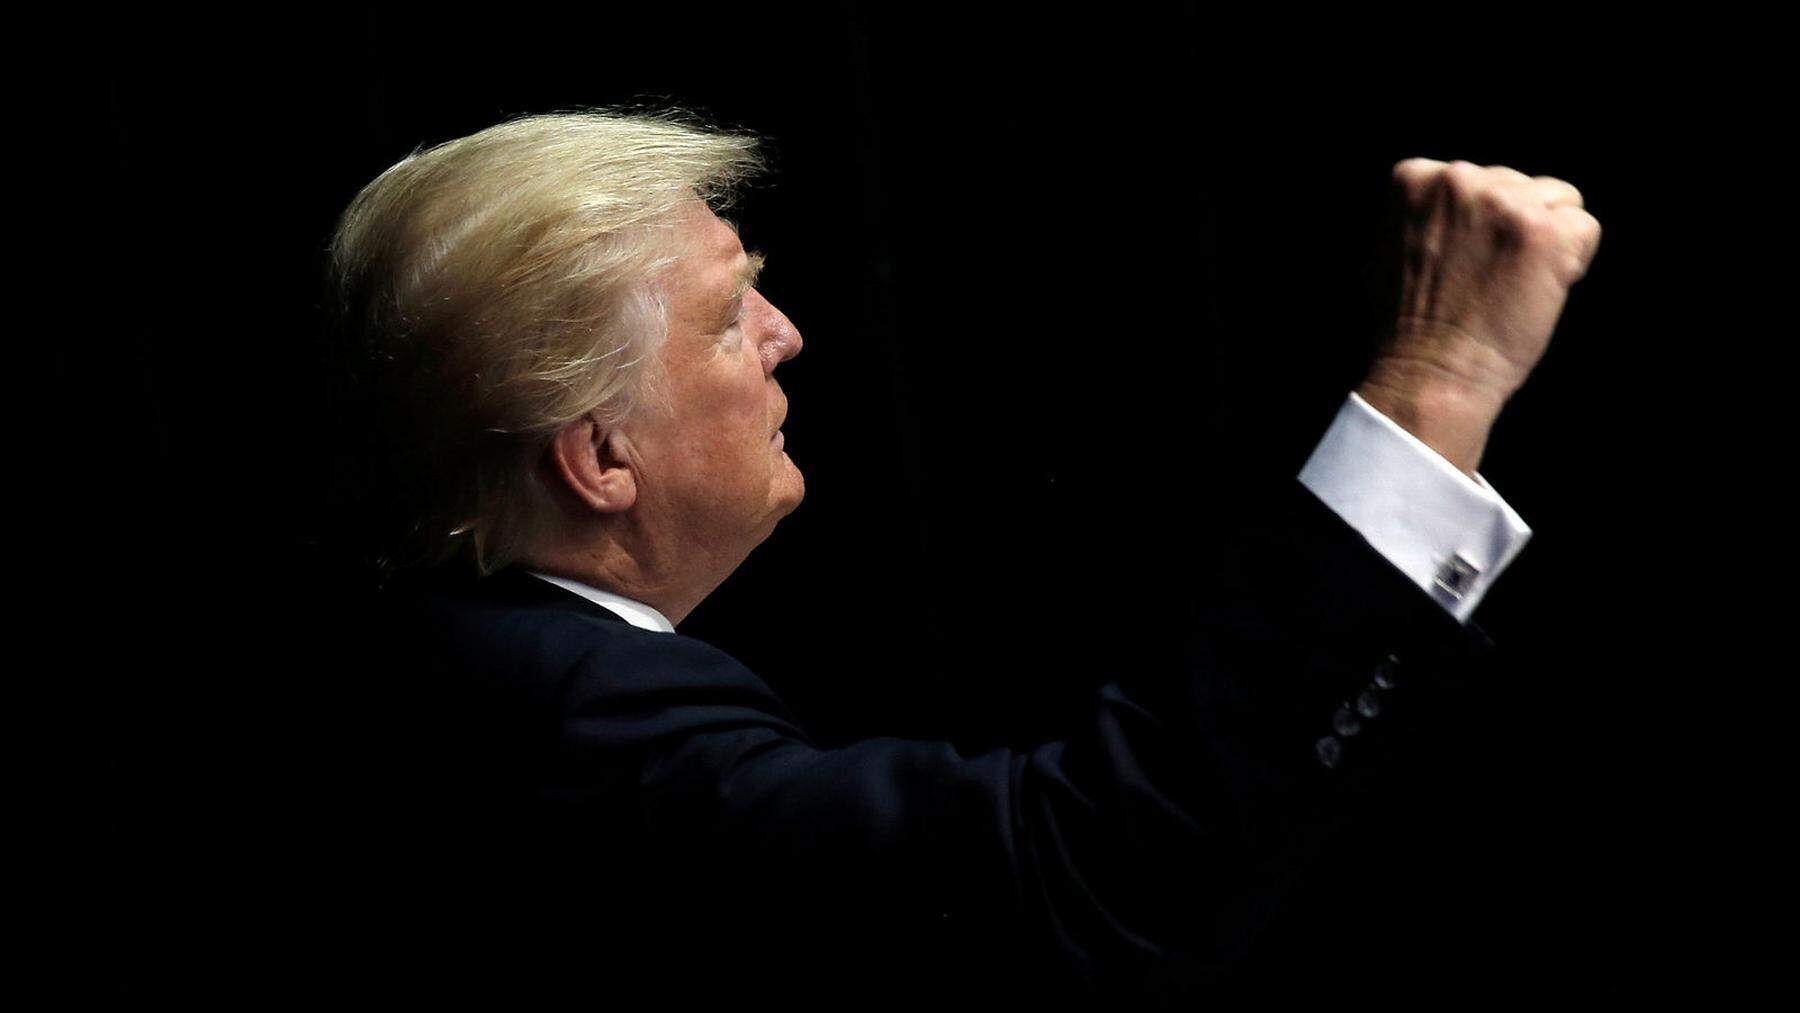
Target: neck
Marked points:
619	558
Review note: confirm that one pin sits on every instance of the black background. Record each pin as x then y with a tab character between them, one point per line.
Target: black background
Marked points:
1071	287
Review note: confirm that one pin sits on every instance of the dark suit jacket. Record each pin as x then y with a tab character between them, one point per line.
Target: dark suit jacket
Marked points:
558	801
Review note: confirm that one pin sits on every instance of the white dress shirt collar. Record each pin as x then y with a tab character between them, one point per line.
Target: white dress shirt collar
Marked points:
634	612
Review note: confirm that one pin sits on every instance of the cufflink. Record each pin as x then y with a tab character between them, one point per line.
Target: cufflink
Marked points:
1457	575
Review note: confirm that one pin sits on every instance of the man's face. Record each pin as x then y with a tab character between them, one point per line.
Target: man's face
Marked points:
713	469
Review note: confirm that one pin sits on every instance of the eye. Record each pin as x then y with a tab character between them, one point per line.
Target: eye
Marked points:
732	333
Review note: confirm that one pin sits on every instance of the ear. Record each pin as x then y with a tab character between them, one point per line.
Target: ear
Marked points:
595	465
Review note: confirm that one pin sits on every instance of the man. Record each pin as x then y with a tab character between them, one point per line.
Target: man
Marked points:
580	437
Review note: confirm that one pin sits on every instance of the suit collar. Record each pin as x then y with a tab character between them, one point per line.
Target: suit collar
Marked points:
644	617
517	586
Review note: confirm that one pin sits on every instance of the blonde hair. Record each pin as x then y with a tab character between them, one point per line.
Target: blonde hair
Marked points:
495	288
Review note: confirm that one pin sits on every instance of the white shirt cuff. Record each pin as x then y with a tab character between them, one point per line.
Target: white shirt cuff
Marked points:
1452	535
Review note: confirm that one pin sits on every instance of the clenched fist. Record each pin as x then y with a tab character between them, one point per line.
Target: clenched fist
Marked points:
1486	256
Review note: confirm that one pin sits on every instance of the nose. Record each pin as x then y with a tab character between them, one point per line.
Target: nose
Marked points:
781	339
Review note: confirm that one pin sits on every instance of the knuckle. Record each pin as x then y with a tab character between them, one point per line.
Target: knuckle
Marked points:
1567	187
1462	180
1495	202
1534	218
1412	175
1525	225
1574	266
1536	228
1579	227
1508	172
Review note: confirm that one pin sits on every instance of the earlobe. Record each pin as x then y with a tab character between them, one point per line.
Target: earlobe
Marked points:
594	464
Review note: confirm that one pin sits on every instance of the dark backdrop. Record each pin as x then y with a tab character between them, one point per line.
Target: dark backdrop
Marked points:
1071	288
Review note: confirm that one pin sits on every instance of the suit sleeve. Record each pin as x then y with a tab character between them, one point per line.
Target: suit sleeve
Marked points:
1173	823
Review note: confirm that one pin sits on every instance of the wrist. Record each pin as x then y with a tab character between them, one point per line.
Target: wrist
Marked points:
1450	417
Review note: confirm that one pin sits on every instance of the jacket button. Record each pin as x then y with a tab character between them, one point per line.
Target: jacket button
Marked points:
1367	705
1330	752
1387	673
1344	721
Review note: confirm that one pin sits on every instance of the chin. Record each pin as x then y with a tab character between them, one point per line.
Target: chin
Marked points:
794	489
788	502
783	498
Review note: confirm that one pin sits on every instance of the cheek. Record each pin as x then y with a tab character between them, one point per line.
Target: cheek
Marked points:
725	453
746	414
730	456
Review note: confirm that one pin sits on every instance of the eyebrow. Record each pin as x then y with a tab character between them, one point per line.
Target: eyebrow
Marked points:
747	275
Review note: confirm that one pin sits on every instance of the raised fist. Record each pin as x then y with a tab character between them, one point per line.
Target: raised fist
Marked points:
1486	255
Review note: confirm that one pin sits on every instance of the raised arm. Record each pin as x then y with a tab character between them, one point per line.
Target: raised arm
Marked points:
1183	814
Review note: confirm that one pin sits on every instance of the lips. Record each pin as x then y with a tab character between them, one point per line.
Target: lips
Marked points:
778	440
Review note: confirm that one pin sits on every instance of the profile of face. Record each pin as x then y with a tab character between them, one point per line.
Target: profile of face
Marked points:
712	470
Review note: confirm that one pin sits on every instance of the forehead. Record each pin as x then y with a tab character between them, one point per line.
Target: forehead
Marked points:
707	236
713	270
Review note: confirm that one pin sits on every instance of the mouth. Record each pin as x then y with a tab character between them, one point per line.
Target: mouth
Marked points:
778	440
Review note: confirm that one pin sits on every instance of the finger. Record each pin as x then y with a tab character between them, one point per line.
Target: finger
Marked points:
1512	176
1547	191
1581	232
1556	193
1412	175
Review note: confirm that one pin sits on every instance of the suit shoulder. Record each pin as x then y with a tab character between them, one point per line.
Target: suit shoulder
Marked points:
566	656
